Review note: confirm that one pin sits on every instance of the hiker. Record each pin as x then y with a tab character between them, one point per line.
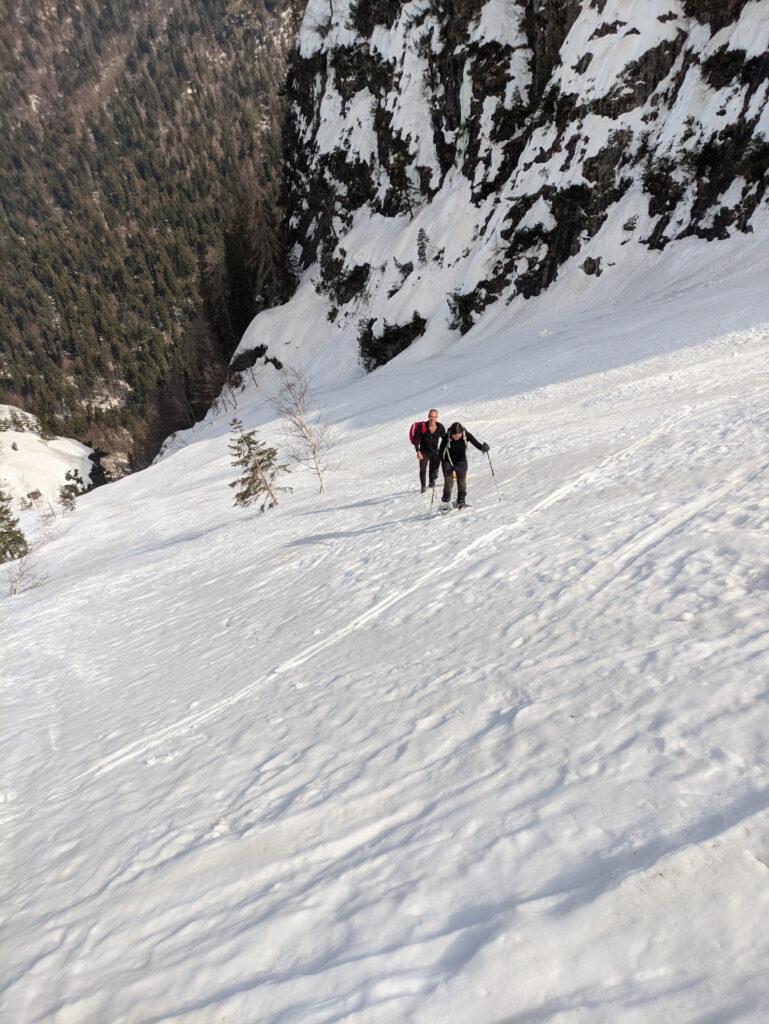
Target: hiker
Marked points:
453	455
427	439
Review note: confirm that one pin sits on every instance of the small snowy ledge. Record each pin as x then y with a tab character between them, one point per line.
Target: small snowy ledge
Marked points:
538	215
500	22
33	469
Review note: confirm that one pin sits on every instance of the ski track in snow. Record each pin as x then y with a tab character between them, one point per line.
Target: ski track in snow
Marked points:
339	763
190	722
627	553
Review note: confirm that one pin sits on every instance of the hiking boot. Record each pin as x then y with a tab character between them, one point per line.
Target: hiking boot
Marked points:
423	489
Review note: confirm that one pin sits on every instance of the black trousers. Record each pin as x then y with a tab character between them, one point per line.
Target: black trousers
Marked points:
433	462
460	468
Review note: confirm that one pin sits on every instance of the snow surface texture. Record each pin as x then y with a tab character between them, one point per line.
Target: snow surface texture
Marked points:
516	137
29	464
337	763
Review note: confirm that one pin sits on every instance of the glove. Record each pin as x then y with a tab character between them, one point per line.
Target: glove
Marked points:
484	447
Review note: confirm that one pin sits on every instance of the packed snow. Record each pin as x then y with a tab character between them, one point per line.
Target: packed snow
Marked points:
339	762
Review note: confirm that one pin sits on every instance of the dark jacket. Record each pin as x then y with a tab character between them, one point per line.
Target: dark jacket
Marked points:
427	443
455	452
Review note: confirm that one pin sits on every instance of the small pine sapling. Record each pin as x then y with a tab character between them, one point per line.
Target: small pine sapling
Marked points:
13	543
67	498
259	469
71	490
422	242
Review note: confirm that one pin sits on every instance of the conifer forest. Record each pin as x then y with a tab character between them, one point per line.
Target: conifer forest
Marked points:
141	226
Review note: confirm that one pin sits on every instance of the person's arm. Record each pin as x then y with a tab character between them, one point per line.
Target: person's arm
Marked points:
478	445
418	443
439	437
444	445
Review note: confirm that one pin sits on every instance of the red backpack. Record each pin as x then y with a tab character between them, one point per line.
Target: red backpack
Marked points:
418	427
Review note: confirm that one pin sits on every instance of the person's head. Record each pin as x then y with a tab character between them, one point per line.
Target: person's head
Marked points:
456	430
433	415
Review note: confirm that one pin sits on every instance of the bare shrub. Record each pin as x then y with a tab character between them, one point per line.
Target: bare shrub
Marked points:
23	572
309	439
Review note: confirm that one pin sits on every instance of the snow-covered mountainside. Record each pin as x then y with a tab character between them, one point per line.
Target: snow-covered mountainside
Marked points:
33	467
444	155
337	763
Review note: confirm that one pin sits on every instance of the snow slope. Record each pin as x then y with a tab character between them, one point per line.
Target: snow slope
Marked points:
338	763
29	464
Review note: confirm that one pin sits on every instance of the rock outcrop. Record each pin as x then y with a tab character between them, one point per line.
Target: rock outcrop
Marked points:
444	155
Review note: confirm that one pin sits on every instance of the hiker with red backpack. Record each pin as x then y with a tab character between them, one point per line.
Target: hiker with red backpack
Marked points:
426	436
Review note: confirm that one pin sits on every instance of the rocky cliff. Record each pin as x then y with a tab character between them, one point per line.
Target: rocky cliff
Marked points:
478	146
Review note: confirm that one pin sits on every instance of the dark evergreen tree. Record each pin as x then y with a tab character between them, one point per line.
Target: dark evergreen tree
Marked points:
73	488
422	242
259	469
13	543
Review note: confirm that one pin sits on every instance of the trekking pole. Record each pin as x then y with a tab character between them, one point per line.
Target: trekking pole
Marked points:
432	502
494	477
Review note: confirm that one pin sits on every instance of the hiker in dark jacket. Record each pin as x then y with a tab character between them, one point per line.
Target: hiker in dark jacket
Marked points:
427	441
453	455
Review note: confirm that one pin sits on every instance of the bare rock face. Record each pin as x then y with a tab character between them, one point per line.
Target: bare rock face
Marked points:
516	135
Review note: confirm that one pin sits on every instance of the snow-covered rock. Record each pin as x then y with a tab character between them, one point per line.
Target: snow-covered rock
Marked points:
34	467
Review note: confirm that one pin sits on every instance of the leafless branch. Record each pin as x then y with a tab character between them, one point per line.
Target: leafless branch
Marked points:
309	439
24	573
